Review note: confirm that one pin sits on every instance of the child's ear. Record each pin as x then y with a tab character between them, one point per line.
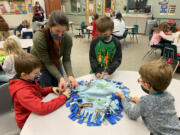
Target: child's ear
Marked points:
147	85
23	75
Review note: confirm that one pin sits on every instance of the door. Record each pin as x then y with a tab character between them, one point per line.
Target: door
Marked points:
52	5
90	11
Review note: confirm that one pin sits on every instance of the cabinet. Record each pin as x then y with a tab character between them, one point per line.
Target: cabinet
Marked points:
52	5
139	19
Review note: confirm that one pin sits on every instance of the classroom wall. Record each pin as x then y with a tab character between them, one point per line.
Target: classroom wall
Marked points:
15	19
42	3
76	18
156	9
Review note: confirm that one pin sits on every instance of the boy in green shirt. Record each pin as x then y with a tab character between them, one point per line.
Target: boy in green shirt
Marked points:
105	51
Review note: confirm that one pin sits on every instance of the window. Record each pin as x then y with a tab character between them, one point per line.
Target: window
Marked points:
78	6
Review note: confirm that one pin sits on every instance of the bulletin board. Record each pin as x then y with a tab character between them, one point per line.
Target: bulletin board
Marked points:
13	7
119	5
165	9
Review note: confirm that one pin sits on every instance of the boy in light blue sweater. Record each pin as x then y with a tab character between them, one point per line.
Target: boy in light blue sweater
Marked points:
157	108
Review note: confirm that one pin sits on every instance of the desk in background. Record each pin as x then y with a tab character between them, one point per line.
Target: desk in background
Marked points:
171	37
25	43
58	122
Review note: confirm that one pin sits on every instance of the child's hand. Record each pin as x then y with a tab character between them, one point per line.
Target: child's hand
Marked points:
56	90
169	33
106	75
62	85
67	93
135	99
99	75
72	82
121	95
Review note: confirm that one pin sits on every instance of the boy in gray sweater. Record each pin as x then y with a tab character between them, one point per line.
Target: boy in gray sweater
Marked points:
157	108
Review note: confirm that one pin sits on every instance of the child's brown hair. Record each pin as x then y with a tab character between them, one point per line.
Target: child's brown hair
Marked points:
104	23
11	47
157	73
96	16
26	63
162	27
27	25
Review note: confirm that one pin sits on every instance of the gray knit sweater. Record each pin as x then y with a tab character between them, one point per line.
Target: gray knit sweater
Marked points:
157	111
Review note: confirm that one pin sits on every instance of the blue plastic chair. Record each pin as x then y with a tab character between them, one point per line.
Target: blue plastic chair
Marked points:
134	32
81	30
27	35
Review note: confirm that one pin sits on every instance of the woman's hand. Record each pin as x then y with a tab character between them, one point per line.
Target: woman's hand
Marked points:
72	82
135	99
56	90
62	85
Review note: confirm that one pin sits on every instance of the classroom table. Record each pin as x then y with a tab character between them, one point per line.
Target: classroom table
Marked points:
25	43
171	37
89	31
90	28
58	122
129	27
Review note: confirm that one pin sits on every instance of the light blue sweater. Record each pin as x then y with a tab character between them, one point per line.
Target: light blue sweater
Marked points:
157	111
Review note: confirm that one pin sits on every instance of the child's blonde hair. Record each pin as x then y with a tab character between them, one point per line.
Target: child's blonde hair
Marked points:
157	73
26	24
4	35
11	47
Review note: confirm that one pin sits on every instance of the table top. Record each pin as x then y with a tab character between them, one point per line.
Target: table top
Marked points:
90	28
58	122
25	43
171	37
129	27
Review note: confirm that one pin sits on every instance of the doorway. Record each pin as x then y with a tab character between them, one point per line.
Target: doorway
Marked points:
52	5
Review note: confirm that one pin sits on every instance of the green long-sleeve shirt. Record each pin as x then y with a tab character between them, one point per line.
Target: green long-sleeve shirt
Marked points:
40	50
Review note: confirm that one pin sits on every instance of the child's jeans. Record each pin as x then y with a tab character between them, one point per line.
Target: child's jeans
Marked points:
159	46
46	79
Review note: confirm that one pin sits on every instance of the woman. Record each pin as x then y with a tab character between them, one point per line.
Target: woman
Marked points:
119	26
38	11
50	45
